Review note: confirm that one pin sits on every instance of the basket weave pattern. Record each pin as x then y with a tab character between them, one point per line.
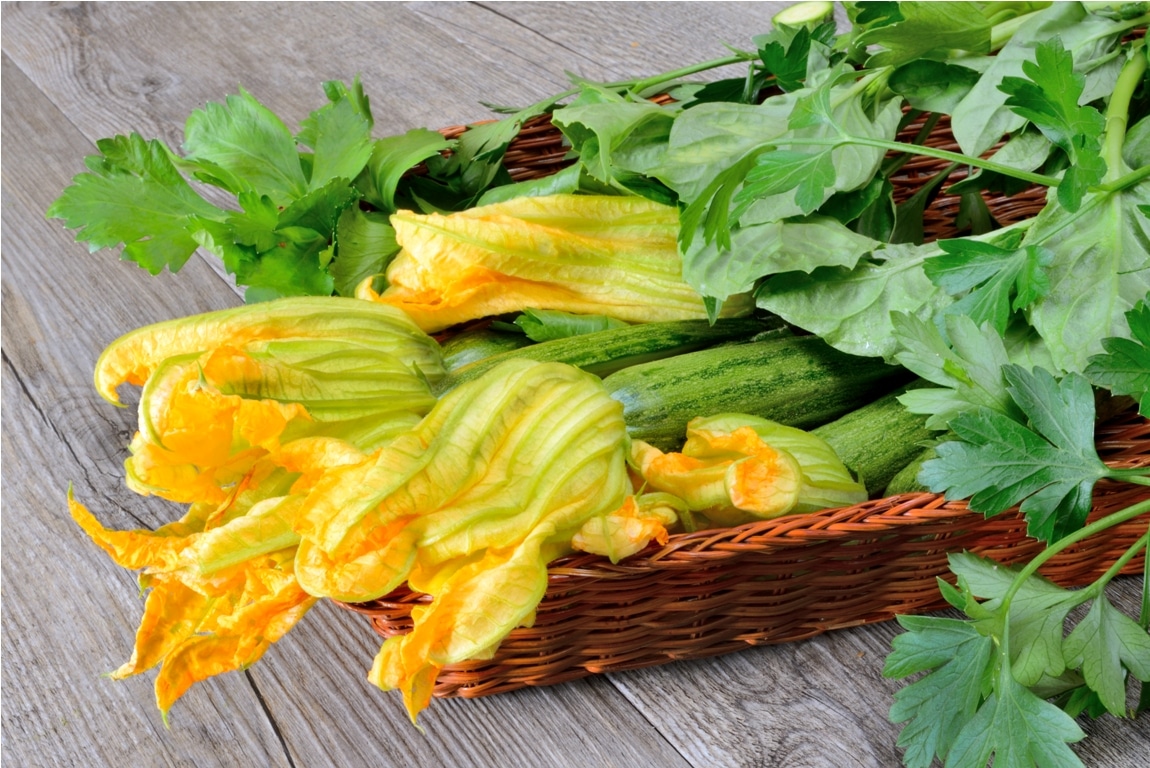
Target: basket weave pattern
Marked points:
717	591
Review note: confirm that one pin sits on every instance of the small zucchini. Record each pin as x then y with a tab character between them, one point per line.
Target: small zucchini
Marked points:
906	481
476	344
877	440
604	352
798	381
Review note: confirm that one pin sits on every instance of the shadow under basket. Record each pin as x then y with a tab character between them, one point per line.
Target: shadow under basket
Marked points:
721	590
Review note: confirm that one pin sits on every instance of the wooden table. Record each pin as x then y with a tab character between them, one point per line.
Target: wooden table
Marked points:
76	72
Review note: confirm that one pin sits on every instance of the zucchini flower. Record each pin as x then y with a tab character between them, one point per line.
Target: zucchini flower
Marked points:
233	390
221	586
736	468
135	356
586	254
468	507
627	530
241	412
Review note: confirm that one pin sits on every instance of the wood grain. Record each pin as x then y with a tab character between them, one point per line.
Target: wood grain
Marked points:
75	72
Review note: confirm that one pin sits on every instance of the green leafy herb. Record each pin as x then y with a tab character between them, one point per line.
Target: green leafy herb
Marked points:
1049	99
1049	464
989	677
920	30
1124	369
969	374
996	280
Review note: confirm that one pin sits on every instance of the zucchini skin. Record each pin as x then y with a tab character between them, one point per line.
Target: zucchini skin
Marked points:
906	481
604	352
878	440
798	381
478	344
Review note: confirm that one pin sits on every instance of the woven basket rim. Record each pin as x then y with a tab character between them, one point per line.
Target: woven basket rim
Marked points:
873	518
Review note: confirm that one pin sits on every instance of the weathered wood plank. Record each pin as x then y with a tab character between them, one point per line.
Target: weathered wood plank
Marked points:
821	703
69	614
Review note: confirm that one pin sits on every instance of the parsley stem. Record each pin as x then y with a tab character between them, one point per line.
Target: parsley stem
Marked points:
1118	111
941	154
1121	516
1116	567
1140	475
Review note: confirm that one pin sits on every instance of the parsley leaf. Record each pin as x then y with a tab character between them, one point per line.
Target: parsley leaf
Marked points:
1018	729
790	60
809	174
996	280
936	707
1105	644
1049	100
1125	367
1035	619
1049	466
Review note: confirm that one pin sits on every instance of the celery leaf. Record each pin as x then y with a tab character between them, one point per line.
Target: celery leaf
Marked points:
134	195
251	144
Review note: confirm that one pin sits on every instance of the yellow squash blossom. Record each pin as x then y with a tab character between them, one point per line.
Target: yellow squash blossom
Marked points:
218	595
630	528
241	412
469	507
209	413
587	254
735	468
134	357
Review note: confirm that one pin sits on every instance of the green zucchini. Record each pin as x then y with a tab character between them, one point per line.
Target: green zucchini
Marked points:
906	481
798	381
604	352
469	346
877	440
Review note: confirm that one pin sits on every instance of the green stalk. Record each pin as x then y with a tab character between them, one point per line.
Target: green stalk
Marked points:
1117	518
941	154
638	86
1095	589
1118	111
1126	181
1144	614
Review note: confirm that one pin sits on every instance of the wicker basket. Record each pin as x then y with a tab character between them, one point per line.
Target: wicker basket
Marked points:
718	591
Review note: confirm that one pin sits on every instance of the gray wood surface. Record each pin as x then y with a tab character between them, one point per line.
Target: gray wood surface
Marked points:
76	72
